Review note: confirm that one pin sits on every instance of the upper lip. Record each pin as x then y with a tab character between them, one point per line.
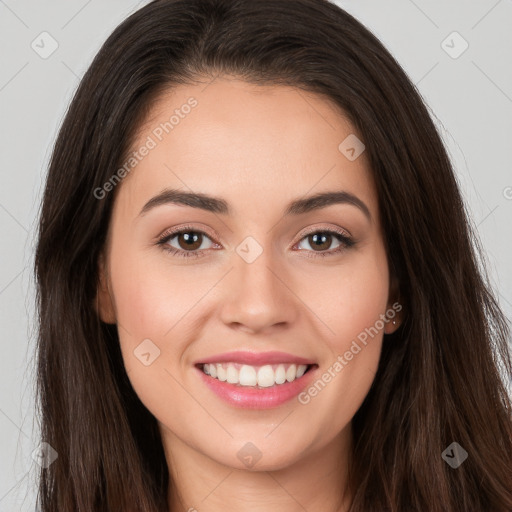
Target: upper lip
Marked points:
256	358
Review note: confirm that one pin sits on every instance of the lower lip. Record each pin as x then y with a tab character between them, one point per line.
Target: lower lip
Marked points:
246	397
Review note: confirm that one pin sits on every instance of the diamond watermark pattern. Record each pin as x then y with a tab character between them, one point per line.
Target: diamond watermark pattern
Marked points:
454	45
351	147
454	455
147	352
44	45
44	455
249	454
249	249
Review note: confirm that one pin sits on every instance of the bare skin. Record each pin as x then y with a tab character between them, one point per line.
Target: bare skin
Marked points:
258	148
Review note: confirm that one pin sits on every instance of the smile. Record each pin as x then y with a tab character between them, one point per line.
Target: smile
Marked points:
255	376
249	380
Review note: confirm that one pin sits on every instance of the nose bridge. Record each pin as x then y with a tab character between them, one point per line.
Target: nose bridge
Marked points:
257	297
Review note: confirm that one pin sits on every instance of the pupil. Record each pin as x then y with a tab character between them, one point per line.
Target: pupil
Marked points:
190	239
320	240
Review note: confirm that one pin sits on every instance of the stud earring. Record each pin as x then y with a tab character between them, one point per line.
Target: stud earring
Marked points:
394	322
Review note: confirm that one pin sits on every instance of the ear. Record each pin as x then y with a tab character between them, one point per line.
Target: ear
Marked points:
104	304
394	308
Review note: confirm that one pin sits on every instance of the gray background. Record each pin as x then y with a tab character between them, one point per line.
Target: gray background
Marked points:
470	98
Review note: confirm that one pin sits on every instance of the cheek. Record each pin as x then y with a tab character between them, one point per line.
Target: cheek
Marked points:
148	306
144	303
357	295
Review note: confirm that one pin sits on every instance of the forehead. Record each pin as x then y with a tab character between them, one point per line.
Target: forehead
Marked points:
258	144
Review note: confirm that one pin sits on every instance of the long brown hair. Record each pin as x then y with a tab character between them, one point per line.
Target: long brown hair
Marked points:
441	377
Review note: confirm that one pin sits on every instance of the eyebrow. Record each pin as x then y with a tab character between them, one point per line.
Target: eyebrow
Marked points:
218	205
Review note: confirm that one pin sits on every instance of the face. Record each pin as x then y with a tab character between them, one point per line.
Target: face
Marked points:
252	277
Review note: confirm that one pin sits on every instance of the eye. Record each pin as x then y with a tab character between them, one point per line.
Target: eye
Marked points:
322	239
188	242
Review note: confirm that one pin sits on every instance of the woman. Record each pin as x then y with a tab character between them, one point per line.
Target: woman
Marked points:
258	286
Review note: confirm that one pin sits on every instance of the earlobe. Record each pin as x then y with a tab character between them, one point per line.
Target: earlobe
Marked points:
104	304
394	311
392	325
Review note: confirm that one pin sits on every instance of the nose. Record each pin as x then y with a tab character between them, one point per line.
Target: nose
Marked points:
258	296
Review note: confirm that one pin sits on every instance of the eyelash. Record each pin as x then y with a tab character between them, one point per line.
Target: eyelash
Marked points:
346	242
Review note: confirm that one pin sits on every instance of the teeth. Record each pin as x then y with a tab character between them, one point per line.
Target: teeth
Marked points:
301	369
280	374
291	373
266	376
247	375
233	375
221	372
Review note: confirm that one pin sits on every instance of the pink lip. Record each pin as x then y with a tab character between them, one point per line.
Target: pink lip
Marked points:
255	358
245	397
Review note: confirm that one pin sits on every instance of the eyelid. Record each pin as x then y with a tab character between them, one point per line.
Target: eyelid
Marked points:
317	229
206	231
170	233
186	227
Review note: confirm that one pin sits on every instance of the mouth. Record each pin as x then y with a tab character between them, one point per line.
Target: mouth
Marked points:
256	380
256	377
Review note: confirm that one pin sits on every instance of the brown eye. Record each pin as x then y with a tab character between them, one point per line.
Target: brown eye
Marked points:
186	242
189	240
320	241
